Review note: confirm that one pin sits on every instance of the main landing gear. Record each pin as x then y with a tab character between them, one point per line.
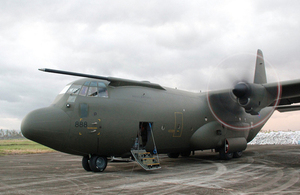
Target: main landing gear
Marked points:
94	163
229	155
237	143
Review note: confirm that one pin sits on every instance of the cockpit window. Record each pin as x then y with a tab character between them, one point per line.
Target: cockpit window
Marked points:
97	89
93	92
93	89
74	89
83	90
93	84
65	89
89	88
102	90
87	83
100	84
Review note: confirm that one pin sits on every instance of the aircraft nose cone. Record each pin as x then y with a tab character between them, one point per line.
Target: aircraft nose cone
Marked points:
48	126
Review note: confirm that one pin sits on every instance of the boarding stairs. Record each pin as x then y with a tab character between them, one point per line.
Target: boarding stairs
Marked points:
146	159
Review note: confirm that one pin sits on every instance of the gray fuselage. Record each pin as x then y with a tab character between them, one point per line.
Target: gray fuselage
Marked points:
108	124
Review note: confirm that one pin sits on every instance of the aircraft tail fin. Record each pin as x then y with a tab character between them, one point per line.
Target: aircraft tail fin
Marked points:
260	70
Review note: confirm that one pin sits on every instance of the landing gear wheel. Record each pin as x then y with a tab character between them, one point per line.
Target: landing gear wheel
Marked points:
237	154
98	163
185	154
173	155
225	156
85	163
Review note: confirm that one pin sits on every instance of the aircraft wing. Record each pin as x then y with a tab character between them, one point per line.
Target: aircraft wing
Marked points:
290	94
116	82
288	108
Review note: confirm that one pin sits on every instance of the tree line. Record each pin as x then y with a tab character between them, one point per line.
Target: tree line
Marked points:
10	134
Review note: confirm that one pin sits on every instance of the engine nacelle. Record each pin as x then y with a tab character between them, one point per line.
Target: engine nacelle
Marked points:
252	97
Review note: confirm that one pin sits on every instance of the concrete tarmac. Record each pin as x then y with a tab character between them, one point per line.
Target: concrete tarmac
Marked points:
271	169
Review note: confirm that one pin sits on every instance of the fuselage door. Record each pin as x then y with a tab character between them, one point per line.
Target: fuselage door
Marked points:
178	124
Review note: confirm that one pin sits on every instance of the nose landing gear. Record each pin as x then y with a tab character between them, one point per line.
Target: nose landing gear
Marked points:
86	163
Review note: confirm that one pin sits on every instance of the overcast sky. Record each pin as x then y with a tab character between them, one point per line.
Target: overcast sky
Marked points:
172	43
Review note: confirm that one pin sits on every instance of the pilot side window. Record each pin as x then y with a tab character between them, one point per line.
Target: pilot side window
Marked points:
93	92
84	88
93	89
97	89
74	89
90	89
102	90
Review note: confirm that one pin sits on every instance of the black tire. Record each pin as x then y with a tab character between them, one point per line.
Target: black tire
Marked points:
185	154
173	155
85	163
237	154
98	163
225	156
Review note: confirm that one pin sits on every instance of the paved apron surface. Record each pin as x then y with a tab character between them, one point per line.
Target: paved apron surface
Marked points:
272	169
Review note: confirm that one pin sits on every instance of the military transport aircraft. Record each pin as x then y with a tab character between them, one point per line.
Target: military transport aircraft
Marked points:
100	117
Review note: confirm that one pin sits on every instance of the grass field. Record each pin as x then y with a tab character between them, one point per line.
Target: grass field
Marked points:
21	146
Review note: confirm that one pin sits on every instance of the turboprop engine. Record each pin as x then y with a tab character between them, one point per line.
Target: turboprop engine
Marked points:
255	96
252	97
